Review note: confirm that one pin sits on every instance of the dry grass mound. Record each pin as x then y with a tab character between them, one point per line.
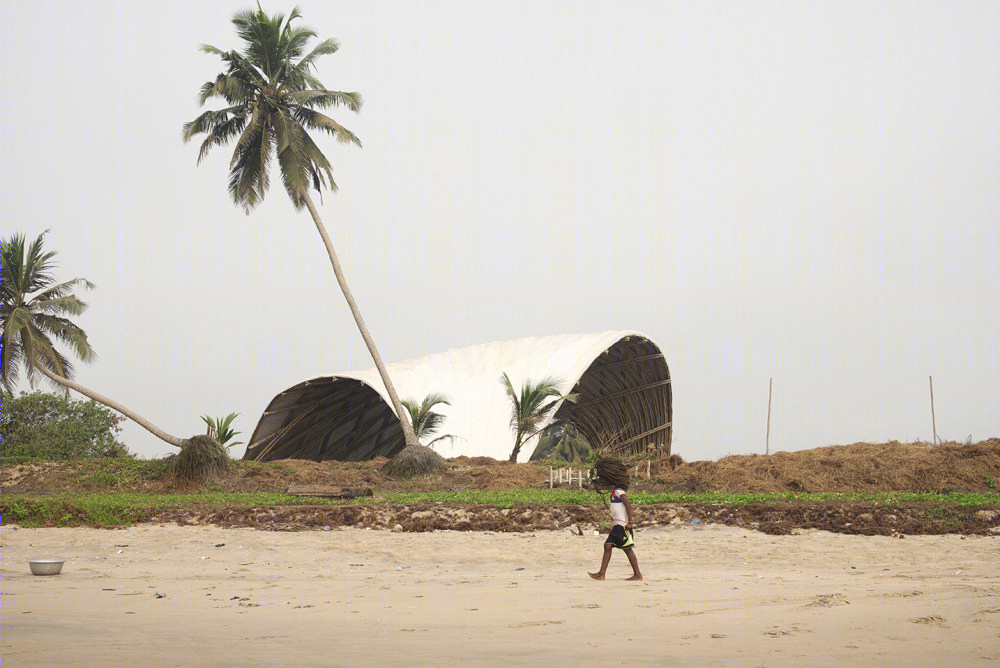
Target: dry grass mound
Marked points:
201	458
860	467
413	461
495	476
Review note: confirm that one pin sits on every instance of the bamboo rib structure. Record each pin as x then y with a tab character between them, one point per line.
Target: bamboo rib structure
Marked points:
621	379
625	392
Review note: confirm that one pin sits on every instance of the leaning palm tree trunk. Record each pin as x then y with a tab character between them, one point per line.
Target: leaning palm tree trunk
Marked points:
401	413
142	422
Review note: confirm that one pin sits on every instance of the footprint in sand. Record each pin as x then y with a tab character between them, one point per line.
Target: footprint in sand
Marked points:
933	620
903	594
525	624
777	632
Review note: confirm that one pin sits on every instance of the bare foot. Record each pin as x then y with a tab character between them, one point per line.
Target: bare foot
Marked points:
634	577
596	576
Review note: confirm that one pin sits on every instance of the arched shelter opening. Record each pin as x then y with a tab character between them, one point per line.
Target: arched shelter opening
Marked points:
624	397
327	418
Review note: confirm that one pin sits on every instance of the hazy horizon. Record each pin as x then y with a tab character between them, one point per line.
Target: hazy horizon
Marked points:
767	191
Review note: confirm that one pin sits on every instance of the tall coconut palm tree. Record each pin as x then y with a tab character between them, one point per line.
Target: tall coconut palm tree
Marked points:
531	408
424	420
33	312
272	97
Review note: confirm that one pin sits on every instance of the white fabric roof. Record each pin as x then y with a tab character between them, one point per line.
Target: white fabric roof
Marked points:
479	414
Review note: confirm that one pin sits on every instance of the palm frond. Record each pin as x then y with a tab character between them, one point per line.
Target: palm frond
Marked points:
62	290
222	134
68	305
12	355
208	48
293	41
327	98
38	350
424	420
261	35
248	175
68	333
35	268
326	47
231	88
295	165
313	119
11	266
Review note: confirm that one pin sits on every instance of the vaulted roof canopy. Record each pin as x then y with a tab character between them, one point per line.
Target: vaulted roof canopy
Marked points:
621	379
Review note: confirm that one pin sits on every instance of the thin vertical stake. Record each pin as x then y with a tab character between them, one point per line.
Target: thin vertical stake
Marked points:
767	441
933	421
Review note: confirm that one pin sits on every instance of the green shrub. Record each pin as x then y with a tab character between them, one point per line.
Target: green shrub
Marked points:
51	427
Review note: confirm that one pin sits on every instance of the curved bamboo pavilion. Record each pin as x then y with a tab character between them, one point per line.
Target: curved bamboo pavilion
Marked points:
621	379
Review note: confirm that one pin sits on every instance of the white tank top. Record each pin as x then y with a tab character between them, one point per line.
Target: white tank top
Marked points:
618	512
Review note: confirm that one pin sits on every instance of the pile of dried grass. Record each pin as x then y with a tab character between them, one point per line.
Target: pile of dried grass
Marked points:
413	461
860	467
201	458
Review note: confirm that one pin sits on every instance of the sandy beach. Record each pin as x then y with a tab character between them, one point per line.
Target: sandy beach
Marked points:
166	595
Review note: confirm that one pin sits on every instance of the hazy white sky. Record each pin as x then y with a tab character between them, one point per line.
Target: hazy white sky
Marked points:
781	190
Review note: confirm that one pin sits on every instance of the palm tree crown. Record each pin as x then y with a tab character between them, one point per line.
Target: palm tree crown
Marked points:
33	312
424	420
272	97
530	409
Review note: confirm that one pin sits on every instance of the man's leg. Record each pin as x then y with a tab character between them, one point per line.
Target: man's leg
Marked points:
599	575
636	575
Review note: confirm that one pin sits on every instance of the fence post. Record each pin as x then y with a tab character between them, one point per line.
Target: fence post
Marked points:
933	421
767	442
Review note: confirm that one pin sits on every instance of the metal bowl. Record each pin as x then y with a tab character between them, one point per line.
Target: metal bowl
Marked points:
46	566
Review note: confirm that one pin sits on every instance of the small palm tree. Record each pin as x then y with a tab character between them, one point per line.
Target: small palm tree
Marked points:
33	312
562	440
272	97
425	421
531	408
219	429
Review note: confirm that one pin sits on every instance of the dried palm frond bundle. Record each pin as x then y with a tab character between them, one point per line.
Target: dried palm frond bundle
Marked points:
201	458
609	473
413	461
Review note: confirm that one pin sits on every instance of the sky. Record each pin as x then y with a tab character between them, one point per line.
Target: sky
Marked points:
803	192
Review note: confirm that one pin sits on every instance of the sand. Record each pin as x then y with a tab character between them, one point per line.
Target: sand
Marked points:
713	595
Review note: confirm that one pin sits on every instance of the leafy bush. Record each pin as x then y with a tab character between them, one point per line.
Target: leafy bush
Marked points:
51	427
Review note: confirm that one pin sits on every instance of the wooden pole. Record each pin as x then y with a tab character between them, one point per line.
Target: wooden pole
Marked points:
933	421
767	441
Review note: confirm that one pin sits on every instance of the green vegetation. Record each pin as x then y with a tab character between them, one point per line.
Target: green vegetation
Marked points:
424	420
531	407
563	443
123	509
223	432
54	427
33	311
990	482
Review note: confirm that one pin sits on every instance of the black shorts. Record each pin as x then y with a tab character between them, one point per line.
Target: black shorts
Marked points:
621	537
